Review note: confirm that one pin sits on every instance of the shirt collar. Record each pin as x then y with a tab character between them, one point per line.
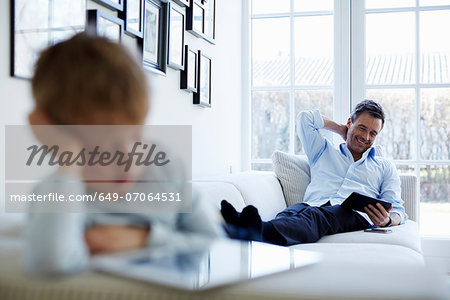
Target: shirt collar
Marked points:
344	149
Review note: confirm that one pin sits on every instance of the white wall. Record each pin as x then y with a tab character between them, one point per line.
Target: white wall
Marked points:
216	130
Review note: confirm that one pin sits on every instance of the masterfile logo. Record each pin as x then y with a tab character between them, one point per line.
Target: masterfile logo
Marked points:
127	169
94	157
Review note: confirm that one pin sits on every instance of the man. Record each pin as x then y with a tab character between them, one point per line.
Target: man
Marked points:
335	174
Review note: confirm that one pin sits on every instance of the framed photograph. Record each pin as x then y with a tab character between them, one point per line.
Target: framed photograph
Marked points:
203	95
133	16
195	18
209	32
155	36
103	24
175	47
30	31
113	4
189	76
183	2
201	19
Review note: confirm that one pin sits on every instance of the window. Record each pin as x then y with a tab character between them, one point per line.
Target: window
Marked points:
292	70
395	57
408	71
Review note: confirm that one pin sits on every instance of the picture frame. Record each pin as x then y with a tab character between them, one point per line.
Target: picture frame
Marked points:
30	32
195	18
175	37
113	4
201	19
154	41
189	76
183	2
203	95
133	17
103	24
209	32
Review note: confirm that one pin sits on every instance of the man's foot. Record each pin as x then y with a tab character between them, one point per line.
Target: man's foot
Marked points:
251	220
229	213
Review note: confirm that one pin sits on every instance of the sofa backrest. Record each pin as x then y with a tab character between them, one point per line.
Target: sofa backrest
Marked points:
216	191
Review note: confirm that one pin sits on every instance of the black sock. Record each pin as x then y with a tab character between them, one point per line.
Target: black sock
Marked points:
229	213
251	220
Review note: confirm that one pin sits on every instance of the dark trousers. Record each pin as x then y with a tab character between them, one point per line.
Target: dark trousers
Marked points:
301	223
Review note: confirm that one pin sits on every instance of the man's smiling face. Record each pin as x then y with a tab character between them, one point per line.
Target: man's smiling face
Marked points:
361	133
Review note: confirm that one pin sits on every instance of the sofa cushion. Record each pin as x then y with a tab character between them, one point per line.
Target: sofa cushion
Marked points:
294	175
257	188
360	253
409	195
406	235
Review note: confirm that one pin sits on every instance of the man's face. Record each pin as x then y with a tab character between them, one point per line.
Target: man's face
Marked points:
362	132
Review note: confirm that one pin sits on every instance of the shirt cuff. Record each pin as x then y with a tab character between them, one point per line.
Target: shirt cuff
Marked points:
398	212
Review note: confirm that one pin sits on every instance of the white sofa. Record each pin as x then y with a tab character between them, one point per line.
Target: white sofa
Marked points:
356	265
263	190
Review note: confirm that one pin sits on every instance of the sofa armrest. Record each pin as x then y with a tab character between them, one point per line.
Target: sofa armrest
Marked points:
409	195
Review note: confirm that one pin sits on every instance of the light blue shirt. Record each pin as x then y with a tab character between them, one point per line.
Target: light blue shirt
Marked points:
335	174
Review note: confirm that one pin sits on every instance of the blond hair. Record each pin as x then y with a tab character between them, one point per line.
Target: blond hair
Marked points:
90	80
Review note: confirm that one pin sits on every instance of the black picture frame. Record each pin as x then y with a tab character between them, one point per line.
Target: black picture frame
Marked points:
130	10
95	25
195	18
28	37
112	4
189	76
175	37
182	2
209	33
154	42
201	19
203	95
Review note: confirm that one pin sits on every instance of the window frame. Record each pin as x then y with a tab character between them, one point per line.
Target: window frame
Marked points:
349	74
359	85
341	87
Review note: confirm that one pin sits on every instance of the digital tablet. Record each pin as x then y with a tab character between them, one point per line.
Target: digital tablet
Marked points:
222	262
358	201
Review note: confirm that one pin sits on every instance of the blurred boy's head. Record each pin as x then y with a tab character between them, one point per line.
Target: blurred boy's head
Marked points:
90	80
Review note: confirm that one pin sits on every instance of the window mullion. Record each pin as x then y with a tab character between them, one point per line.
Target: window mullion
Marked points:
417	111
247	83
342	60
358	61
292	134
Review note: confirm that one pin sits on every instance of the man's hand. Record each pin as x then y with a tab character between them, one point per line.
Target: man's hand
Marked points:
378	215
335	127
115	238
